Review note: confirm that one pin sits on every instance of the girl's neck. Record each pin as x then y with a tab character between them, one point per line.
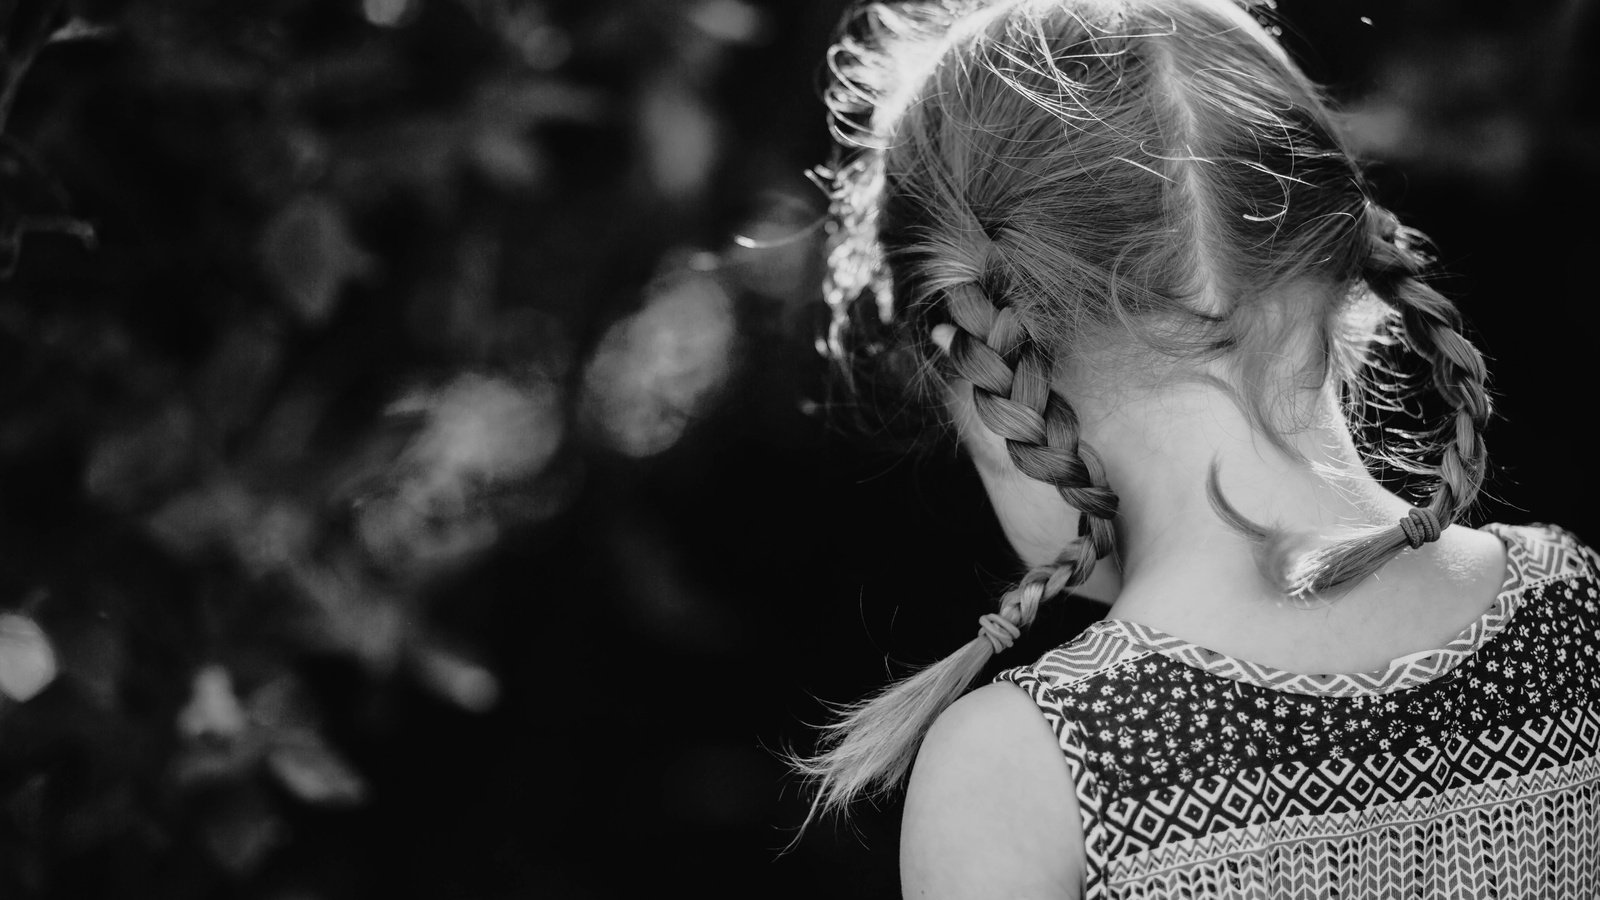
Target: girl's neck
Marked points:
1159	447
1186	571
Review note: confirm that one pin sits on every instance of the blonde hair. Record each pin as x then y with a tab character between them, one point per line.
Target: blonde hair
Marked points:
1036	172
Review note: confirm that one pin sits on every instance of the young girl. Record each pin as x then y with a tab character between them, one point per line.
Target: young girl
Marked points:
1127	245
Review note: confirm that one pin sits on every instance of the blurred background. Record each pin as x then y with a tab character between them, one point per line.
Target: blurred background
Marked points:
416	475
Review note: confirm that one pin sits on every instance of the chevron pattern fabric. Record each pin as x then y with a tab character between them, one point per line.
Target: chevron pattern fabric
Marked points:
1467	771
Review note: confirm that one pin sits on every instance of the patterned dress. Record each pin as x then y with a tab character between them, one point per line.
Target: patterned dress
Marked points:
1467	771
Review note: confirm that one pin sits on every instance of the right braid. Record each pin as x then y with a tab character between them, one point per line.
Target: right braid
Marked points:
872	745
1431	327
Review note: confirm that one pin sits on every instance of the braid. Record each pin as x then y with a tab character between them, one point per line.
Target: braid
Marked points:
872	745
1012	396
1431	327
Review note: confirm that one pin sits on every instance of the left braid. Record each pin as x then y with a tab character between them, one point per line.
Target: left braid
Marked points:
1013	397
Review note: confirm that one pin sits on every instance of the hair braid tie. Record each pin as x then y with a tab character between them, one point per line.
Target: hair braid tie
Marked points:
1017	610
1421	527
999	630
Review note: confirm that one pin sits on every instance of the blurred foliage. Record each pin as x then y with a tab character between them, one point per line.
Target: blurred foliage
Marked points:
310	308
404	489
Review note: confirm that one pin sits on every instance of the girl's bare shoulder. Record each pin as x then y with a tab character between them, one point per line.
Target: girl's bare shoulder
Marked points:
990	808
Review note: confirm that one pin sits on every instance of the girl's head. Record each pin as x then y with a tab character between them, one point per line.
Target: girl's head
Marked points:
1136	187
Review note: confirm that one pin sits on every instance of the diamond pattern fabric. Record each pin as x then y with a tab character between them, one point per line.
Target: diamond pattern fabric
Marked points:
1467	771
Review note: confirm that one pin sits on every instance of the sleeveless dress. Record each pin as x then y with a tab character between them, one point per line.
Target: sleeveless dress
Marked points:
1470	771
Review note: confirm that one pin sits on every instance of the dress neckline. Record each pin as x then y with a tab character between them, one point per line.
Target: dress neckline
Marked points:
1533	557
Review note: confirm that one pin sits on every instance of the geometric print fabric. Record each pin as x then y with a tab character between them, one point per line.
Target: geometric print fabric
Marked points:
1297	789
1532	836
1466	771
1152	714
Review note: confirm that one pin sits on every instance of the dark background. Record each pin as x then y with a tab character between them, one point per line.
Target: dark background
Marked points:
415	488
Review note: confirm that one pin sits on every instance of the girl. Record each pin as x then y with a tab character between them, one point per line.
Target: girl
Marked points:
1125	242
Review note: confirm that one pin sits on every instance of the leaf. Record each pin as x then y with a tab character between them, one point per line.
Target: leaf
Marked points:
213	709
312	771
241	831
658	370
425	527
27	661
389	13
508	159
488	429
132	466
281	704
31	201
729	21
456	678
80	29
351	614
199	521
309	256
681	139
236	380
279	533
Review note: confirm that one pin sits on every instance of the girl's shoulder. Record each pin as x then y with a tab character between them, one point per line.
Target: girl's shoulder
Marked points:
990	808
